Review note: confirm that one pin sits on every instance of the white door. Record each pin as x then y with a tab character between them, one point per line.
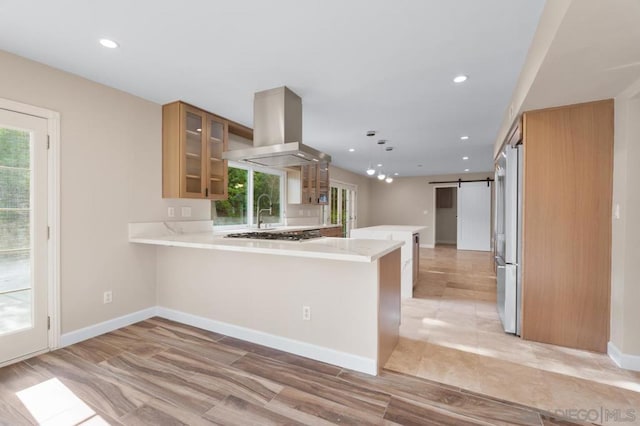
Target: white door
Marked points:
23	235
474	216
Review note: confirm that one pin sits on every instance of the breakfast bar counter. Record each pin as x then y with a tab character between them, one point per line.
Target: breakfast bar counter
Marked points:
335	300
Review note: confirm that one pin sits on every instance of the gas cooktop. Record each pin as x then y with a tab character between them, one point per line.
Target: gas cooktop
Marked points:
280	236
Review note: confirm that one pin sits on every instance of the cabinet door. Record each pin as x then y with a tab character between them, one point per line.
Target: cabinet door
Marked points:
306	184
566	266
323	183
192	162
216	167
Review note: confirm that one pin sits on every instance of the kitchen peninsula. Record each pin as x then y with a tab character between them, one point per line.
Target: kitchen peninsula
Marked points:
260	291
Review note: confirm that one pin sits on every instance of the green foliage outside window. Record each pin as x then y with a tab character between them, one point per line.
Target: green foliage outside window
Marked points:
15	200
269	185
234	210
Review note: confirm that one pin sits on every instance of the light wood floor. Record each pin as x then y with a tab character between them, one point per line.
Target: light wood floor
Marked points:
161	373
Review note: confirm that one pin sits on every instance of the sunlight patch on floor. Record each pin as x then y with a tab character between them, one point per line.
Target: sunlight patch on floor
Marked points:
52	403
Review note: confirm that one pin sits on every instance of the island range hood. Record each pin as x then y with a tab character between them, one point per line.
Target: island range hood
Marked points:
277	132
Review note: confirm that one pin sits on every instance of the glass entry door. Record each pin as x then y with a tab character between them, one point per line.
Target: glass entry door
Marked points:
23	235
342	206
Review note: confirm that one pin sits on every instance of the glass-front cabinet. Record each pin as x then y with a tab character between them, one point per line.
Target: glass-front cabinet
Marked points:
313	183
192	153
216	144
193	141
323	183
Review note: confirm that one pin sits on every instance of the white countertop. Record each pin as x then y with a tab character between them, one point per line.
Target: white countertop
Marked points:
195	235
393	228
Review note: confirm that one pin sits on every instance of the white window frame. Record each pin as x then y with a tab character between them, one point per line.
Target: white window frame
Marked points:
251	219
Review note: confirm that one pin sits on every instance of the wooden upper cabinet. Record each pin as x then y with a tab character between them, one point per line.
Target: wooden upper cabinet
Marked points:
193	141
310	185
315	183
568	174
323	183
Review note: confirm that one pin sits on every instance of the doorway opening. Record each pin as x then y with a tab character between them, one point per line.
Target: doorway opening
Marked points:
446	216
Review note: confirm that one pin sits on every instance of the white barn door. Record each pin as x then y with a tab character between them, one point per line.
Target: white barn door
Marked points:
474	216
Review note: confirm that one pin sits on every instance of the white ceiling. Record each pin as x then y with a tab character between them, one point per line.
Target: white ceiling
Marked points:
358	65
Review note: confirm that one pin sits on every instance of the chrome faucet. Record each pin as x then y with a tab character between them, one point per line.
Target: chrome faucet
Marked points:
260	211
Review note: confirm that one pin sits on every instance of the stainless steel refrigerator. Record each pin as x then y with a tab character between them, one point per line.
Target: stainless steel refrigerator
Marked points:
508	237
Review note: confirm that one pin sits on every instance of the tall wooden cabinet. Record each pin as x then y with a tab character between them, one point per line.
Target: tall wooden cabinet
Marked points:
567	192
193	141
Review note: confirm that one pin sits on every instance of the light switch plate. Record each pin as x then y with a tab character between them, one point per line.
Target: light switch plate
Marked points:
186	212
171	212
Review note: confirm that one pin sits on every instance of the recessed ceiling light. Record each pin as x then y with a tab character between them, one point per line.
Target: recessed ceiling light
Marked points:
465	158
460	79
464	138
108	43
389	179
395	174
380	165
351	149
466	170
371	171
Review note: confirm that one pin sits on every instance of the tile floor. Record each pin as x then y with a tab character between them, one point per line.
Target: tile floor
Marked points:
451	333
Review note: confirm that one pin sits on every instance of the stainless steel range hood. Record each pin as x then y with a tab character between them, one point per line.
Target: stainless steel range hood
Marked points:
277	132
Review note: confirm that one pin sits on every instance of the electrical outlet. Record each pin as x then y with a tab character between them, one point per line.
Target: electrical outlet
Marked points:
107	297
186	212
171	212
306	313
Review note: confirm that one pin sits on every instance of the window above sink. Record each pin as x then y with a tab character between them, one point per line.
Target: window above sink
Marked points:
249	186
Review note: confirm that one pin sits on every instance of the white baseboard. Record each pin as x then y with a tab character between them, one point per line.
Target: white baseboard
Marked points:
427	245
622	360
342	359
106	326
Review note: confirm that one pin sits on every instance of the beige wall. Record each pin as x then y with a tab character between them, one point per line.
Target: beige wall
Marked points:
218	285
625	255
447	222
410	201
110	174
